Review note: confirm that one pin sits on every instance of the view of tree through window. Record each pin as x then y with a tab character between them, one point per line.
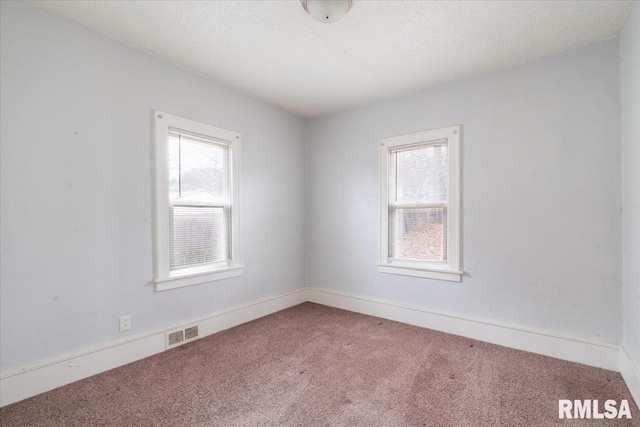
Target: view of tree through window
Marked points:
418	187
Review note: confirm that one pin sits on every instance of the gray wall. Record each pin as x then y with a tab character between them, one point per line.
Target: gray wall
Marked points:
541	195
630	52
77	193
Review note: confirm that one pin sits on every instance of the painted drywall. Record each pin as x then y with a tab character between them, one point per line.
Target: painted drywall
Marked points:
630	71
76	150
541	195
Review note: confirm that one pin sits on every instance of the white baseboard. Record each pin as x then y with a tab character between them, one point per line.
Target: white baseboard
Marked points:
30	381
593	353
630	371
27	382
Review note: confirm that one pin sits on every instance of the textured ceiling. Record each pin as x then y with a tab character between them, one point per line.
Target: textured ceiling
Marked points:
276	52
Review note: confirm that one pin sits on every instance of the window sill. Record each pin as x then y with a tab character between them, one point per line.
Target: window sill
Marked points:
197	278
416	271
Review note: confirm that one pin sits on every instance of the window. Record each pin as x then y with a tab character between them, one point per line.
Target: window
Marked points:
197	194
420	204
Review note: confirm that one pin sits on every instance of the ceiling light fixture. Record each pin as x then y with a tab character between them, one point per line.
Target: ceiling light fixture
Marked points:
327	10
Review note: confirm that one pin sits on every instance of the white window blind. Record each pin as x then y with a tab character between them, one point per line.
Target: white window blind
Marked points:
200	201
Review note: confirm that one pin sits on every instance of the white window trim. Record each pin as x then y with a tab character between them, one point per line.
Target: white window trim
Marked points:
451	270
164	278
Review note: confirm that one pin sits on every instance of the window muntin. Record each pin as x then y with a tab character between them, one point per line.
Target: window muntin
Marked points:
420	203
197	212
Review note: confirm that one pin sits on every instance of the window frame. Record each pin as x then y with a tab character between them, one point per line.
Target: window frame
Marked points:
164	277
451	269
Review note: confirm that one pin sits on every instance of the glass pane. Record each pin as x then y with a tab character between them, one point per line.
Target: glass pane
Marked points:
420	175
198	170
418	234
174	166
199	235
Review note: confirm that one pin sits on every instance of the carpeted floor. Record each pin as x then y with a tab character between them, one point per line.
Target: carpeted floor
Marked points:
312	365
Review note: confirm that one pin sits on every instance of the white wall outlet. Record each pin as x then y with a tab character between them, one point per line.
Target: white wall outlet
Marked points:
125	323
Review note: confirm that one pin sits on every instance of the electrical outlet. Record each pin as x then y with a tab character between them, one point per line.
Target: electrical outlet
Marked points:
125	323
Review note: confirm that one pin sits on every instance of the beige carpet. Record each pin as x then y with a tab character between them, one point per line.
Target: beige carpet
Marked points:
317	366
